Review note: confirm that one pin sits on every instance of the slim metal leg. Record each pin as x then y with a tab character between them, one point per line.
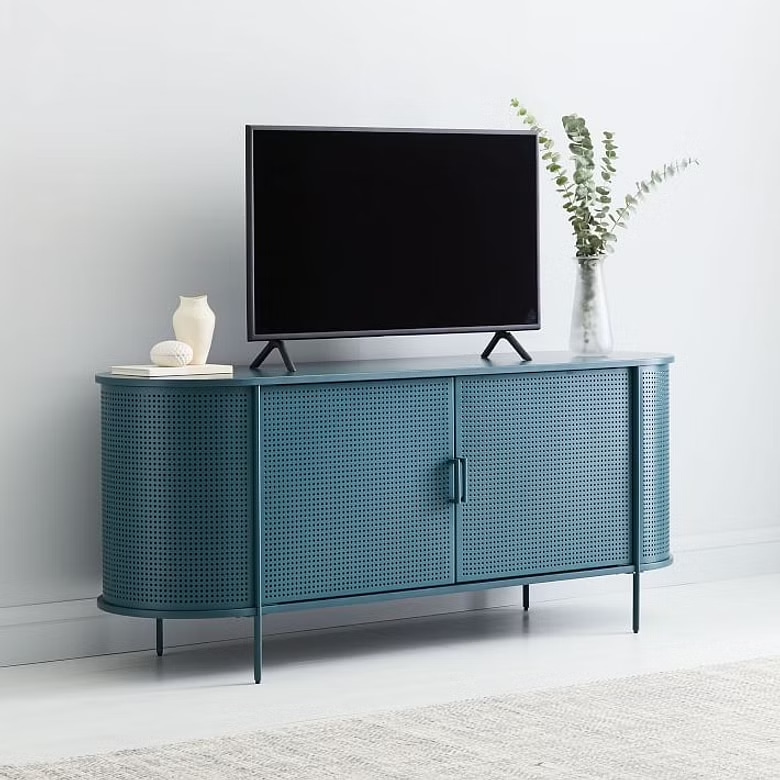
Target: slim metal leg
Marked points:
258	646
159	627
526	589
636	487
257	541
636	603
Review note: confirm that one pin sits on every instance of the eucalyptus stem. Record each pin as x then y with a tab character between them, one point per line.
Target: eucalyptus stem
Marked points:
590	205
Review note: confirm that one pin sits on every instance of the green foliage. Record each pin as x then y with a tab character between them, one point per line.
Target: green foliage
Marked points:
587	192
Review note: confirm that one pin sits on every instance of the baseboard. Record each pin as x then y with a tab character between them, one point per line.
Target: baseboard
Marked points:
73	629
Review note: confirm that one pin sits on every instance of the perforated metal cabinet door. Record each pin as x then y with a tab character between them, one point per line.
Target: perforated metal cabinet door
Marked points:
177	497
549	473
355	488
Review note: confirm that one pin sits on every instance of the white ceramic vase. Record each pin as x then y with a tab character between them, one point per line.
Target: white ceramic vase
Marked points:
193	323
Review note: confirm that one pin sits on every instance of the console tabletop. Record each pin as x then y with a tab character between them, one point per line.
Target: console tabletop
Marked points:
404	368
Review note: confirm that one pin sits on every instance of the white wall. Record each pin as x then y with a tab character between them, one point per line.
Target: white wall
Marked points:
121	186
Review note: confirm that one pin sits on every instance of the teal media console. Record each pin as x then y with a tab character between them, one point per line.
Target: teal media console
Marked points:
347	482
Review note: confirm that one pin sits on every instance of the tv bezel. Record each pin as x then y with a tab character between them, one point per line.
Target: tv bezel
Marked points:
250	234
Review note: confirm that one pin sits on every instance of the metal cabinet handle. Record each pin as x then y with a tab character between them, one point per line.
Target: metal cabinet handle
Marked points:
456	480
464	480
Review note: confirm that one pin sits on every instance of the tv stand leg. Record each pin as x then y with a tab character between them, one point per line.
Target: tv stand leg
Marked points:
526	601
635	605
268	349
507	336
158	624
258	646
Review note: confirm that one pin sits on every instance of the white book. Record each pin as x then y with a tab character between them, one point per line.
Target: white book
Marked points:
151	370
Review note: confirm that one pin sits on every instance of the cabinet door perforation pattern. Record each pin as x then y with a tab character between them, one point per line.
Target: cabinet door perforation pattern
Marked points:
356	488
655	463
177	497
549	473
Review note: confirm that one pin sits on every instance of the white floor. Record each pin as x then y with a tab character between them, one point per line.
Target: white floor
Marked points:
122	701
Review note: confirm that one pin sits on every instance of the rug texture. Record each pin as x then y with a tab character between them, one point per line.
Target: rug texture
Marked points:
711	722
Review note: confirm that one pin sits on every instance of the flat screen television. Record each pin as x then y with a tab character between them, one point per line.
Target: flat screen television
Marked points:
372	232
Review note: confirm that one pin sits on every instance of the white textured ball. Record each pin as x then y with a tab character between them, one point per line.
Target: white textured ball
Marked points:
171	353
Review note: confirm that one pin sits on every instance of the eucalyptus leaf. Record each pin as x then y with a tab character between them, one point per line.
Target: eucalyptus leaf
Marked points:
589	206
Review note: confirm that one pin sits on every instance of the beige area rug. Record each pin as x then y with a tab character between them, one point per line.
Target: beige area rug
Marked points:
711	722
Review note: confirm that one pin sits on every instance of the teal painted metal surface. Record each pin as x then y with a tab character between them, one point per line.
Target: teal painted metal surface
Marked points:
549	473
457	475
654	437
257	539
364	489
464	479
177	497
464	587
637	489
355	479
174	614
442	590
401	368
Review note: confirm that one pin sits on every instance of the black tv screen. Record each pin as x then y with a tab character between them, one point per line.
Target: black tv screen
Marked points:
371	232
